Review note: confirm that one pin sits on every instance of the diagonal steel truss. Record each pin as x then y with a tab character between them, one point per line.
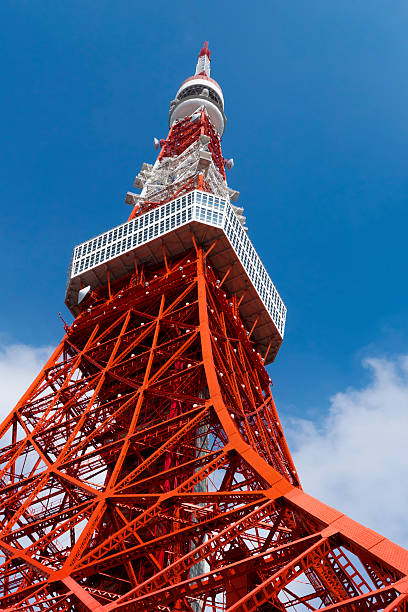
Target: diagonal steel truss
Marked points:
146	469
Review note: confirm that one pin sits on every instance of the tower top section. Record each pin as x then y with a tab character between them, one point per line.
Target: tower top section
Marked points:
185	201
197	91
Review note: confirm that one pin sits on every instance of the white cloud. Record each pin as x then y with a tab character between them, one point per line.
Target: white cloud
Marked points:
19	365
356	459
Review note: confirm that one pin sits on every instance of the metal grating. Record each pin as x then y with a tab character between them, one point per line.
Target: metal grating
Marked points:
196	206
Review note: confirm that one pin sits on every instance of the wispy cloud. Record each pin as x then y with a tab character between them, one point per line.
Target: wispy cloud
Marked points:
19	365
356	459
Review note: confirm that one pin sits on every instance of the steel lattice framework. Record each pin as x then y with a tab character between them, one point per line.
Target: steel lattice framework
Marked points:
146	468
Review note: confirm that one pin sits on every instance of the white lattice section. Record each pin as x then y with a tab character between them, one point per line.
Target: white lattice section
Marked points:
194	206
203	65
173	172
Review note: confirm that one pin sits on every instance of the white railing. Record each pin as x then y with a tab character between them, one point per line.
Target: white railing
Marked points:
194	206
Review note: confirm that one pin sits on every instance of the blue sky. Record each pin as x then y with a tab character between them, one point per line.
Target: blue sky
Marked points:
316	99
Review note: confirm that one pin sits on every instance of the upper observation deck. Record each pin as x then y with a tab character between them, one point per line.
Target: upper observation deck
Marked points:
208	218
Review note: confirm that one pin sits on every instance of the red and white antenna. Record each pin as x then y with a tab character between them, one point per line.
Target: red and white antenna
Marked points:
204	61
197	91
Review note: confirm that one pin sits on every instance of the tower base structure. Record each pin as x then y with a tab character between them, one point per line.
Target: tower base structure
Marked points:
146	469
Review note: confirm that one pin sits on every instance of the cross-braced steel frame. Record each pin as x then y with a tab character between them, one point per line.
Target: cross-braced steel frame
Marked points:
146	469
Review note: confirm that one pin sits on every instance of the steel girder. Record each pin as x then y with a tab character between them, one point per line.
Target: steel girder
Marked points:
146	469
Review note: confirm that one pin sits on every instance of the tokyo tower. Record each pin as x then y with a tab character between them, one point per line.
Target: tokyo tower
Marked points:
145	468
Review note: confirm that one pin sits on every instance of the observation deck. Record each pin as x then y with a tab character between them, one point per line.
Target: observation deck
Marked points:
208	218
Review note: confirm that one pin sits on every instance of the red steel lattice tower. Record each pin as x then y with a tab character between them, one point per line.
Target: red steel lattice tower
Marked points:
146	468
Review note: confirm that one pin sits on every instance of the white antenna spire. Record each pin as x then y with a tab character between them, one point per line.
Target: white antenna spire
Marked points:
204	61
